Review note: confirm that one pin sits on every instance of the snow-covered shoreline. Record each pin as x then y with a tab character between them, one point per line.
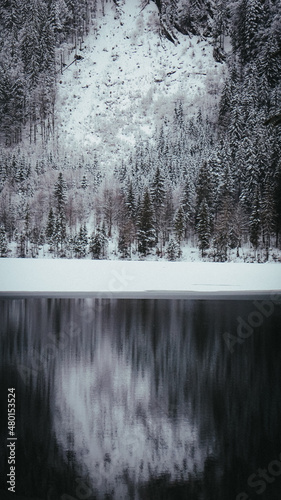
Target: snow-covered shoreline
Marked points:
112	279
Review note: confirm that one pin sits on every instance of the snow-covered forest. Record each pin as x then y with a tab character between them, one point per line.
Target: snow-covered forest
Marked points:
136	129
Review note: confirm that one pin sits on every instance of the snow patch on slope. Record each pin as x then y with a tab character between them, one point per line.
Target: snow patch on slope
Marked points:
129	81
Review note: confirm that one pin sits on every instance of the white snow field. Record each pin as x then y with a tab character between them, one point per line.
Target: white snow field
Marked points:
127	279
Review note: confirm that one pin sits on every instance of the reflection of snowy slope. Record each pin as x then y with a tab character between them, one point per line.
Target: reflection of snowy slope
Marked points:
129	79
117	426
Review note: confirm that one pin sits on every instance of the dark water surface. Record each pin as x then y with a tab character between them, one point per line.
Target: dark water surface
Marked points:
142	399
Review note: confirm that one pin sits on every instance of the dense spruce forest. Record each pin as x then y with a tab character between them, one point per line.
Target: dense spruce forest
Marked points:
209	180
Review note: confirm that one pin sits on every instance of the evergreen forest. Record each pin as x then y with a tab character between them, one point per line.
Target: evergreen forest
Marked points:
208	180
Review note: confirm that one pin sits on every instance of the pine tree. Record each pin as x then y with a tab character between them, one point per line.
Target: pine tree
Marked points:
50	228
204	226
83	235
203	185
187	203
250	171
268	215
84	182
30	43
109	212
238	227
268	63
158	199
173	250
98	243
95	246
168	217
60	230
247	25
253	25
223	230
220	23
236	122
179	225
277	201
60	193
59	17
12	103
204	193
27	228
3	242
130	203
255	220
80	242
60	199
158	190
146	225
124	243
21	246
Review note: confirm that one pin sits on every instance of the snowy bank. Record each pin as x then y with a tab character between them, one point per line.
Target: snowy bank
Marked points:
136	279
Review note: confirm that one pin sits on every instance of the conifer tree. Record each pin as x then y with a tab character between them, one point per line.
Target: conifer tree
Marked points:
124	242
268	215
84	182
203	185
173	250
277	202
239	227
146	225
247	23
98	243
220	23
255	220
60	200
187	203
60	193
27	228
130	203
50	228
158	199
60	230
168	217
223	230
30	43
204	194
21	246
80	242
179	225
204	226
3	242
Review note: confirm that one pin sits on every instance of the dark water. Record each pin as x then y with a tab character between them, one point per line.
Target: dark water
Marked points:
142	399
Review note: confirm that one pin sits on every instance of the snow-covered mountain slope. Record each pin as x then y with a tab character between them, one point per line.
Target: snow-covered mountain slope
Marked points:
129	81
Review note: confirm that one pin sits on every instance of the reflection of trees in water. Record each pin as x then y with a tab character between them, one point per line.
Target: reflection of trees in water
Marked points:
173	353
121	434
41	468
232	399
